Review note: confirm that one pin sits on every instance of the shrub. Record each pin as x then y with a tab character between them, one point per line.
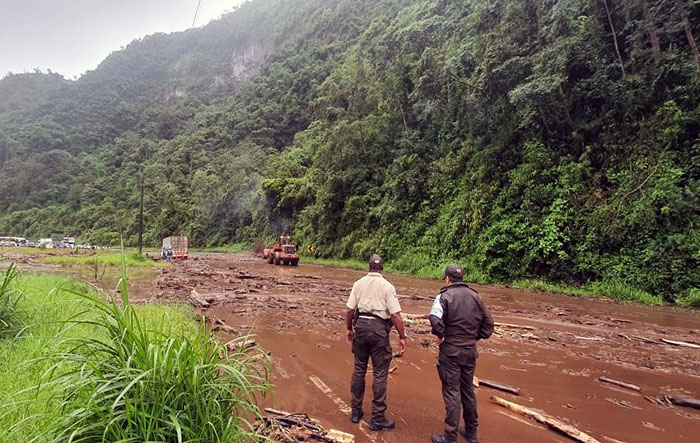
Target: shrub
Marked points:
137	258
624	292
690	298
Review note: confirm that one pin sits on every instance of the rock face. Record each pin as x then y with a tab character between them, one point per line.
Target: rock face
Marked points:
247	61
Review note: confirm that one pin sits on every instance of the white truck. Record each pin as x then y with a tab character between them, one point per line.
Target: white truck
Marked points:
178	243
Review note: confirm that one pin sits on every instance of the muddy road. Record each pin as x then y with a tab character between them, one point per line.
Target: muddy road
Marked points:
554	348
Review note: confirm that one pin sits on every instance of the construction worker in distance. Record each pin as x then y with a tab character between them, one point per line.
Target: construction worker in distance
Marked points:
372	309
459	319
169	255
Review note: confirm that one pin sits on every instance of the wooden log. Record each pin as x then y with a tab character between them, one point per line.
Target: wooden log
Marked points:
645	340
225	328
619	383
580	337
279	412
687	402
197	300
545	419
340	436
393	369
508	325
418	297
289	421
414	316
681	343
499	386
475	382
237	345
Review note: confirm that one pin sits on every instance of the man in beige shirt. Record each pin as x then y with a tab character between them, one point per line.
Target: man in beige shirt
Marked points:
372	307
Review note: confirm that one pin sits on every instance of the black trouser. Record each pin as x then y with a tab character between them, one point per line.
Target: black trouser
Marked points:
371	340
456	370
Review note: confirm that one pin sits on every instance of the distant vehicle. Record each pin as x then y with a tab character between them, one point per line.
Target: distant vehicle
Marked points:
12	241
178	244
46	243
282	252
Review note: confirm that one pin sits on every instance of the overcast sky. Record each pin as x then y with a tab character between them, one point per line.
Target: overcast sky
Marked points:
73	36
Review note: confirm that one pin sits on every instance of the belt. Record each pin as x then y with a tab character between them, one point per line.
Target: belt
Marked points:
371	316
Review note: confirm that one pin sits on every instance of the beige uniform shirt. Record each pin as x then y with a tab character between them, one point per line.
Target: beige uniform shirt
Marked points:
372	294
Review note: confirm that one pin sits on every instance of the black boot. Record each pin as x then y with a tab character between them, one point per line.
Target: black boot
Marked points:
381	425
356	416
441	439
470	436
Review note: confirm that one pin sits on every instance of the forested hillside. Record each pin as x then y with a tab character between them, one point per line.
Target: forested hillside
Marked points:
548	139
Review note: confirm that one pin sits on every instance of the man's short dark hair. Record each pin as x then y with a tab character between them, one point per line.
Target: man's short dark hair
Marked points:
454	272
376	263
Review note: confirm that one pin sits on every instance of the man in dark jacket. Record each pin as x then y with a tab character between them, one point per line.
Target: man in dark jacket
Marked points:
458	318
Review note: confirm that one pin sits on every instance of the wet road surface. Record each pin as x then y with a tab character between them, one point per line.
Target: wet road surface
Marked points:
552	347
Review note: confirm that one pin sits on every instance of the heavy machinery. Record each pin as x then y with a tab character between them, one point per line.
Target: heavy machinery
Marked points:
282	252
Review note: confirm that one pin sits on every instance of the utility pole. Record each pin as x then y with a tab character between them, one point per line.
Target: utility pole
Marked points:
141	220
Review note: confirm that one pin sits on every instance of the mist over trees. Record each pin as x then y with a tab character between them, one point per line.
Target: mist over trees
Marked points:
550	139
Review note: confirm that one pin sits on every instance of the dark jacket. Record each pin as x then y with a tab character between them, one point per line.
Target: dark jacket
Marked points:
460	316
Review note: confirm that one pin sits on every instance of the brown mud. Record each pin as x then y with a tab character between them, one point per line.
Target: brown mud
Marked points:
553	347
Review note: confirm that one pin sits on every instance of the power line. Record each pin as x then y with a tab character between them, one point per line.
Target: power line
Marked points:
196	13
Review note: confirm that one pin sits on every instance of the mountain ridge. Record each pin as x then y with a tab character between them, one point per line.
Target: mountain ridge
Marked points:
532	139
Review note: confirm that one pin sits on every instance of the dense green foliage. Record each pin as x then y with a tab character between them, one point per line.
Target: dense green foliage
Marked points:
529	139
99	372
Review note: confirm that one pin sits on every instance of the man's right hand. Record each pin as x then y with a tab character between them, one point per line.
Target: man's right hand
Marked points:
402	346
350	336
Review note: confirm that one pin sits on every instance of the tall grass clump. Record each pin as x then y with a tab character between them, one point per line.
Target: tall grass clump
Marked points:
543	286
134	259
690	299
623	292
9	298
134	382
116	372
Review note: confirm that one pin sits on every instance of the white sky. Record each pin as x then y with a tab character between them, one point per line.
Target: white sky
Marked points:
74	36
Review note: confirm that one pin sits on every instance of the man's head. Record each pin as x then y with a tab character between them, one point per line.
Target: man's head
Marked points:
454	273
376	264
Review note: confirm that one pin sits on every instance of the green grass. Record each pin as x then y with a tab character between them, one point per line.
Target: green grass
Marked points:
624	292
101	372
417	268
690	299
234	248
10	296
108	259
335	262
557	288
421	267
615	290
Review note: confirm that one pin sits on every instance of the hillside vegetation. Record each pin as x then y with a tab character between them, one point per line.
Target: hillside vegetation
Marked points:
552	139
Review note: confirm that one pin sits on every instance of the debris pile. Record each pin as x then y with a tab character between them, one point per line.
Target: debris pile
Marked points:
288	427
